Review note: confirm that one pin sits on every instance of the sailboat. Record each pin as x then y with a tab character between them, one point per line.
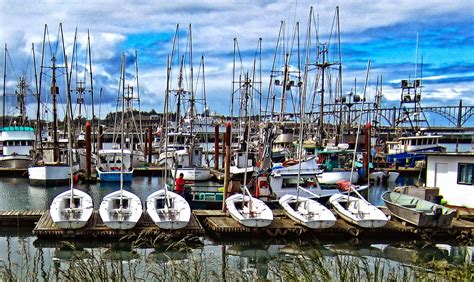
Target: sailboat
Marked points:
249	211
72	208
245	209
121	209
167	209
51	168
356	209
302	210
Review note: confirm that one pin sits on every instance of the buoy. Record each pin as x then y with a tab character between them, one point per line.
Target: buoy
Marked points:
75	178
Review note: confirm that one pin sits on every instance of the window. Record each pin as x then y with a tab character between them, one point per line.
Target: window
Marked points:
465	173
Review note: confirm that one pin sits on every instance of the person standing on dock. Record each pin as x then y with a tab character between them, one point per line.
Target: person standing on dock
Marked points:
179	189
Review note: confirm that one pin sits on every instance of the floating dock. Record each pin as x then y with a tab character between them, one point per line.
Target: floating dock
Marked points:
95	228
218	224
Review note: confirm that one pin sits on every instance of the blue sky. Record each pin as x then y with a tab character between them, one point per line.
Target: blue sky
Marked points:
383	32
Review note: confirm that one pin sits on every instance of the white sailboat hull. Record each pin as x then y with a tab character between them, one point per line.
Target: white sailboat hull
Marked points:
66	216
117	217
254	212
172	215
357	211
307	212
192	173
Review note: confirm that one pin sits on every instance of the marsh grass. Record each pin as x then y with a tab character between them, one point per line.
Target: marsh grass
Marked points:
182	260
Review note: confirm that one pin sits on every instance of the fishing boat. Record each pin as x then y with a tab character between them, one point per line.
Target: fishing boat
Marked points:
307	212
168	210
114	165
53	164
283	180
249	211
417	211
17	136
358	211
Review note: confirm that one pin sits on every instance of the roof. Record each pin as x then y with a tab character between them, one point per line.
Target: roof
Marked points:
18	128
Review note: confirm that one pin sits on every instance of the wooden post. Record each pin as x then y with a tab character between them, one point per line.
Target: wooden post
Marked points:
150	144
216	146
223	150
228	134
146	144
367	150
88	150
100	140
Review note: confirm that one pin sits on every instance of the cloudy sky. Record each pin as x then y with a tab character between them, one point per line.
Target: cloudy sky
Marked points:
384	32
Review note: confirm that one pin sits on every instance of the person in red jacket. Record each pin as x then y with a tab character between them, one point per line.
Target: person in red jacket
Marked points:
179	189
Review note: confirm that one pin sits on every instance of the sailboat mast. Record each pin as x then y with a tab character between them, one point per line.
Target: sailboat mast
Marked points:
92	86
4	84
122	130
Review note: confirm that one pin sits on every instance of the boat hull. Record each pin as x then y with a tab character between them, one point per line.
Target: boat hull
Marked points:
192	173
67	217
417	211
124	217
49	175
114	176
16	162
308	213
331	177
259	215
357	211
175	215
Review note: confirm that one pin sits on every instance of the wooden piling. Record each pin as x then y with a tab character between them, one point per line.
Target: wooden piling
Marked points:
216	146
88	150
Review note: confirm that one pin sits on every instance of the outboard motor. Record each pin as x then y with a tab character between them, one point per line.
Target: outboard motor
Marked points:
438	211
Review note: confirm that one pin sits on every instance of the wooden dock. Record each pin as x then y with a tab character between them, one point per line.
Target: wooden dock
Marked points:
20	217
95	228
220	225
149	171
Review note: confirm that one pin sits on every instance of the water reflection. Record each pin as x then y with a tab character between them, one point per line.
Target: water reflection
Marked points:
251	260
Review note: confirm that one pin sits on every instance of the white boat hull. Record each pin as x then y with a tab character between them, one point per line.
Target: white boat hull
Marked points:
117	217
17	162
174	215
66	216
256	214
192	173
331	177
50	174
307	212
379	176
357	211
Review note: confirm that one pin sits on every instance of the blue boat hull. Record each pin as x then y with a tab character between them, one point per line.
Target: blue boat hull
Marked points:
114	176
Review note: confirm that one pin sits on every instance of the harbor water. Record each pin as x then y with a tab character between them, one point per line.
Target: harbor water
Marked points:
25	257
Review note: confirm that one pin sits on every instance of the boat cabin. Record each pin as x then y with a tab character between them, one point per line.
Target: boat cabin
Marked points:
414	144
453	174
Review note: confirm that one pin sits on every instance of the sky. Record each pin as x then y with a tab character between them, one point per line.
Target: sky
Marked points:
384	32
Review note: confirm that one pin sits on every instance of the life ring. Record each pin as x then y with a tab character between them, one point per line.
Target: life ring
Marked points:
290	162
